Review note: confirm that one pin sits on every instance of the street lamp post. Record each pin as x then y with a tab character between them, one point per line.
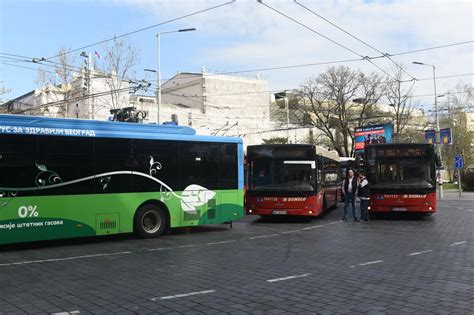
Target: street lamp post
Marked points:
438	145
158	72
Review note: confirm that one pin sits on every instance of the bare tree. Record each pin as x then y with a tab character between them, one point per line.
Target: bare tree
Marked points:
3	90
57	85
119	59
454	114
336	102
399	95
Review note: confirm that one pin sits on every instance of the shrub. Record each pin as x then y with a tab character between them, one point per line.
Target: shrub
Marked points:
468	181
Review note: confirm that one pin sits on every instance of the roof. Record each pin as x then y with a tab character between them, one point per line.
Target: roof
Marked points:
37	125
16	99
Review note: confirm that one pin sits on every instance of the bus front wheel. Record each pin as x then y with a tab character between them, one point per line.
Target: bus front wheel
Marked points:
150	221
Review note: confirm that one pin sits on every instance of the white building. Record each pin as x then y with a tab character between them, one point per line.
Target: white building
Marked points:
213	104
81	98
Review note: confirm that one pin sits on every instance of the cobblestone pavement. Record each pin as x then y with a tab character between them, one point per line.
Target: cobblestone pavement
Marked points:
393	264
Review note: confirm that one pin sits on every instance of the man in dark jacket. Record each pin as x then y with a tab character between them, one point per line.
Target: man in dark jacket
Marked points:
349	187
363	192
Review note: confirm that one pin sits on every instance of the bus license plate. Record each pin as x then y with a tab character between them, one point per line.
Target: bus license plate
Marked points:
279	212
399	209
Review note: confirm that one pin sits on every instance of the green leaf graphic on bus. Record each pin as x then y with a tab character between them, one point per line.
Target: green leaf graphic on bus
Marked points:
194	196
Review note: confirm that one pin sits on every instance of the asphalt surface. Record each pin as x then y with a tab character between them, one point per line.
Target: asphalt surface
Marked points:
392	264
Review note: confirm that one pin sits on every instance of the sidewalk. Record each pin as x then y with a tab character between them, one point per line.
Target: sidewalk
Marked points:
453	194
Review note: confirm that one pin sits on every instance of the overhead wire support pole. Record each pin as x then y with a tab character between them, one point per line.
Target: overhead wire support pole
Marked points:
438	144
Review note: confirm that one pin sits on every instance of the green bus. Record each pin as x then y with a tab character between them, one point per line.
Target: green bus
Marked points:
64	178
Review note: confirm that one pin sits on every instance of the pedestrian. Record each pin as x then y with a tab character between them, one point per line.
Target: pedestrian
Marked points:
363	192
349	188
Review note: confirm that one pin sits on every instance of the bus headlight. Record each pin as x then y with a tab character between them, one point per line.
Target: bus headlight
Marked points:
430	208
368	208
250	211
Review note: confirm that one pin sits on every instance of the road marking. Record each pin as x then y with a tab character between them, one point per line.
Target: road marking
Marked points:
312	227
262	236
457	243
186	246
168	297
160	248
419	253
66	313
221	242
62	259
368	263
157	249
470	210
289	277
292	231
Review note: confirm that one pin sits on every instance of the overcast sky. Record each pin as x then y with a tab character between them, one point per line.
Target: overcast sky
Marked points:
246	35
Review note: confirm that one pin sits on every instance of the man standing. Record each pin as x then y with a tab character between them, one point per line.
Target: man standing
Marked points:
349	187
363	192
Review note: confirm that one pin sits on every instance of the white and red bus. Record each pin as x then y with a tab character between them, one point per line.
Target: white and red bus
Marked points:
291	179
402	177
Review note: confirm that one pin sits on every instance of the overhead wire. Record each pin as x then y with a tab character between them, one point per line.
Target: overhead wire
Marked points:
29	59
355	37
326	37
146	28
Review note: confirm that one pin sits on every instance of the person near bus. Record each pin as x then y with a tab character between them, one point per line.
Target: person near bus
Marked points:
349	187
363	192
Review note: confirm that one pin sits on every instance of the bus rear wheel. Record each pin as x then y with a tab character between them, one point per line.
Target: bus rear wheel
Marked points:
150	221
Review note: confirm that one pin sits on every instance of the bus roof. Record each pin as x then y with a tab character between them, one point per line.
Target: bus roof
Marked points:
317	149
326	153
39	125
346	158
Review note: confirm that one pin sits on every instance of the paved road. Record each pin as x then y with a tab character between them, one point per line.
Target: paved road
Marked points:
389	265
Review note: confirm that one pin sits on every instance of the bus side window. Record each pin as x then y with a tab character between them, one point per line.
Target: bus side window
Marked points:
70	158
158	158
228	166
199	164
18	162
113	155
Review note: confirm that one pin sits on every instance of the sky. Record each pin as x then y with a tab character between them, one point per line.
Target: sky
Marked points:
245	35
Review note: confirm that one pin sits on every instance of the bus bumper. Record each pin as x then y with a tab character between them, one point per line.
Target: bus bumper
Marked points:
277	212
423	203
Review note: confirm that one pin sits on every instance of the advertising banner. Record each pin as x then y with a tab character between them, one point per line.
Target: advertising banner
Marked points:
445	136
372	134
430	136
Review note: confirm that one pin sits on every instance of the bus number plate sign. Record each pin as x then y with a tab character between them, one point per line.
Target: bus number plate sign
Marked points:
399	209
279	212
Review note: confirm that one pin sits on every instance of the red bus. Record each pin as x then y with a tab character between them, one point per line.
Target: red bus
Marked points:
291	179
402	177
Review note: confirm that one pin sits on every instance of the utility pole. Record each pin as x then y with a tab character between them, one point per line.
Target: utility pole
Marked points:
158	71
438	145
158	81
287	107
86	82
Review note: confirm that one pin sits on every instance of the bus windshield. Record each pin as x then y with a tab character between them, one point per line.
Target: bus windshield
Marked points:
402	173
282	175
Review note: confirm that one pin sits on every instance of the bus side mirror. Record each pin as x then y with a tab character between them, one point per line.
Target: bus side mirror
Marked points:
438	161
